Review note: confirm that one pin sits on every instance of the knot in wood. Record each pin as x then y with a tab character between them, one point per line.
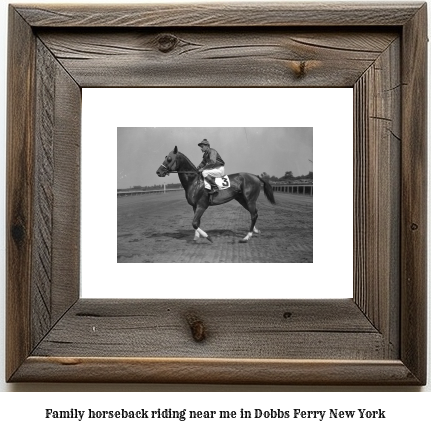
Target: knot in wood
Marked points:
18	233
167	42
300	69
197	328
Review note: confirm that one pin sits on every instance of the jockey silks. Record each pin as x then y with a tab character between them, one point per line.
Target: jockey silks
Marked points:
211	159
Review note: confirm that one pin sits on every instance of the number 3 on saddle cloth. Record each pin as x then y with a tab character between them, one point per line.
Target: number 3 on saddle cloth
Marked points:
222	183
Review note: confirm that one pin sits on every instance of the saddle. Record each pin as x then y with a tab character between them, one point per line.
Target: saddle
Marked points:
222	183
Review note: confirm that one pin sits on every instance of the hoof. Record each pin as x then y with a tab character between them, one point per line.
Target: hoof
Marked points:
209	239
243	241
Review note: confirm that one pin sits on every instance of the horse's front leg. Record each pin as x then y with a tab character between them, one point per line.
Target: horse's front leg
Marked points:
196	223
197	235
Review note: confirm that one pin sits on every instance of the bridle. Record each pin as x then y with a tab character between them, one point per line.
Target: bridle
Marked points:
167	170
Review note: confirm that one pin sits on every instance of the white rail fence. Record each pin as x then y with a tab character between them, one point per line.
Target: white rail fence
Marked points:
132	192
303	189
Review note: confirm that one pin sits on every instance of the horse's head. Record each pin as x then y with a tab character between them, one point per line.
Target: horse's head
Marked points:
169	164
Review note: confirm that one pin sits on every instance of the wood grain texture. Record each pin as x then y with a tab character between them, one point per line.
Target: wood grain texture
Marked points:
377	96
215	371
414	194
43	191
67	198
19	200
214	57
54	51
43	194
55	278
220	14
234	329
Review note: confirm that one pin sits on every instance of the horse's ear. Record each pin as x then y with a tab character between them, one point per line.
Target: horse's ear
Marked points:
175	150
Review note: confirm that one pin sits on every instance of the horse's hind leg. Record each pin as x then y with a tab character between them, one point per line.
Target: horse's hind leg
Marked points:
197	235
250	206
253	214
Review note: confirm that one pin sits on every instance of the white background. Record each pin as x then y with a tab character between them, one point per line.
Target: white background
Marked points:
329	276
23	408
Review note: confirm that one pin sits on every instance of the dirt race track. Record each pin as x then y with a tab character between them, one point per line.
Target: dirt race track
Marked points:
158	228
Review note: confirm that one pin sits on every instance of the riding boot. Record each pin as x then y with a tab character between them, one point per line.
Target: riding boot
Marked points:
214	188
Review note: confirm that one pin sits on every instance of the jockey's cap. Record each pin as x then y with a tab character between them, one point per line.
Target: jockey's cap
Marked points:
204	142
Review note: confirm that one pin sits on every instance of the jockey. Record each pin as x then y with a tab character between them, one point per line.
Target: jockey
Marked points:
212	165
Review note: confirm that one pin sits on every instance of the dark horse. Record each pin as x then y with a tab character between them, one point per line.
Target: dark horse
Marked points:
244	188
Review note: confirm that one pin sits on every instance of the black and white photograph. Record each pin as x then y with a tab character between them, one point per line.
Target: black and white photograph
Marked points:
215	194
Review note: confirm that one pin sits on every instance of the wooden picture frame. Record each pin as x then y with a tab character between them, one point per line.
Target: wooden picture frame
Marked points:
376	338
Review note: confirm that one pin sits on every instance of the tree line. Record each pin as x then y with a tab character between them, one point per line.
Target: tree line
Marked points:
288	177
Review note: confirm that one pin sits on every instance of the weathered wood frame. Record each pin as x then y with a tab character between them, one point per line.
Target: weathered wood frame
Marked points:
378	337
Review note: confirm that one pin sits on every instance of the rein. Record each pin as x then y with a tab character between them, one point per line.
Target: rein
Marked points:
177	172
183	172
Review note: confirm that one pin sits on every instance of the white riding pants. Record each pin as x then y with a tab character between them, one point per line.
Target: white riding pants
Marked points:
214	172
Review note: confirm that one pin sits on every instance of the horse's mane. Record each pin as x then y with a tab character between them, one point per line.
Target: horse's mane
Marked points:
188	160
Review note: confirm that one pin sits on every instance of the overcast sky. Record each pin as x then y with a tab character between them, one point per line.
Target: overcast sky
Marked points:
141	150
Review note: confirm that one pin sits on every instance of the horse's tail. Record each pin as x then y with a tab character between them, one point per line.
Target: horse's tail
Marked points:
267	190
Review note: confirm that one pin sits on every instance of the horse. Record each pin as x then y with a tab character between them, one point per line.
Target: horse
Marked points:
244	188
